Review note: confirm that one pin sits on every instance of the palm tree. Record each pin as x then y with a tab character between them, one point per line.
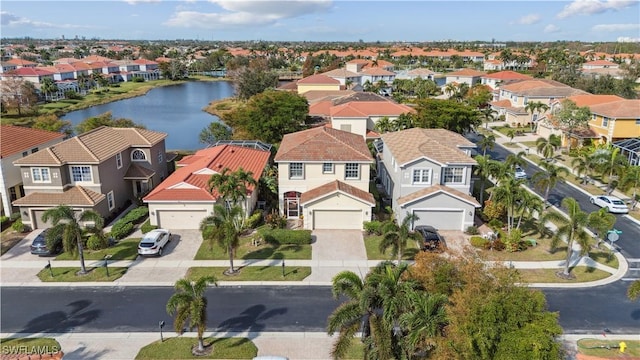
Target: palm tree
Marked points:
582	165
602	221
483	169
571	229
535	107
509	192
631	179
548	178
190	306
395	236
383	125
547	147
610	162
489	115
224	227
528	204
66	222
232	186
424	321
48	86
450	89
486	142
511	133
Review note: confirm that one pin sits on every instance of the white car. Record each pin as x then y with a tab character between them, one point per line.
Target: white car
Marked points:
154	242
611	203
520	174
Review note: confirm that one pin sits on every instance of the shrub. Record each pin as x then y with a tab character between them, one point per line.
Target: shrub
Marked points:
121	229
472	230
146	227
497	245
136	215
97	242
254	220
18	225
478	242
373	227
494	210
495	224
3	219
15	216
276	221
513	239
285	236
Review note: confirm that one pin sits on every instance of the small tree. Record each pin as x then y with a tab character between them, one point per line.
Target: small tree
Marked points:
572	117
395	236
216	131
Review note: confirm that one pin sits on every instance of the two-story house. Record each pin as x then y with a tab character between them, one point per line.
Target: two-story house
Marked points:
18	142
323	177
427	172
183	199
317	82
104	170
616	120
464	76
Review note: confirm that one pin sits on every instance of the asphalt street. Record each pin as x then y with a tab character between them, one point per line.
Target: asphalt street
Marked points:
254	309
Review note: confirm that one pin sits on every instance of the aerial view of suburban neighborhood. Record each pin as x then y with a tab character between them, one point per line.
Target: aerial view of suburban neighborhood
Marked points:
317	179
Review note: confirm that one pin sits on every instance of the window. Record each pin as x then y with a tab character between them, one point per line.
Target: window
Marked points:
454	175
40	175
605	121
345	127
119	160
421	176
34	150
327	168
138	155
637	121
110	201
81	173
13	195
352	171
296	171
160	157
25	153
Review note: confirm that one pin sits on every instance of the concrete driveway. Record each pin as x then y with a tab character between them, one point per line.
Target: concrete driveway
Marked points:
335	245
22	250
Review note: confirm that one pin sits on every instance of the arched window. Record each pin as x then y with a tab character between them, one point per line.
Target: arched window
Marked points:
138	155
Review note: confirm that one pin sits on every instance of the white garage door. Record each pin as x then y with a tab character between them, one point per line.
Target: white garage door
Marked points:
337	219
175	219
440	219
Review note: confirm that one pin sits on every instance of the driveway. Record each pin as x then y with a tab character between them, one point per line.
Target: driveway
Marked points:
337	245
22	250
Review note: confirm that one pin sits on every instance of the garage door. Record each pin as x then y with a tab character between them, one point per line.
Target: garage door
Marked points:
186	219
440	219
37	220
337	219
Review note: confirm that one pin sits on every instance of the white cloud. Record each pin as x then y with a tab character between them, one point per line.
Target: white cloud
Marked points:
615	27
551	29
134	2
628	39
529	19
11	20
248	13
590	7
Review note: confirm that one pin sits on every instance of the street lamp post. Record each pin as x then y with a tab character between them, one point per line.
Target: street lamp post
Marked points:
106	263
161	325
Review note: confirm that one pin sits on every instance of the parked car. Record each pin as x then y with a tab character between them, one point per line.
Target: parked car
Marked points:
520	174
431	239
39	245
153	242
611	203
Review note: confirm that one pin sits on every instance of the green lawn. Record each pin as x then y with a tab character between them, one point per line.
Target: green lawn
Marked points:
31	346
593	347
582	274
180	348
372	243
124	250
246	250
505	129
253	273
68	274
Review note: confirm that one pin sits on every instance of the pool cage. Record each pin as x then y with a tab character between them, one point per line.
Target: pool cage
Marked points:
630	148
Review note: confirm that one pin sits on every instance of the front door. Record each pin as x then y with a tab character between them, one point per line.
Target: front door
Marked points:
292	204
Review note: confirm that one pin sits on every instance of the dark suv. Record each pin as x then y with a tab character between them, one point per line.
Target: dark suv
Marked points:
39	245
431	240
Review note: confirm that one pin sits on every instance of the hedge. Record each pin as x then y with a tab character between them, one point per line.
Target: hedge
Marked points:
285	236
373	227
136	215
146	227
121	229
478	242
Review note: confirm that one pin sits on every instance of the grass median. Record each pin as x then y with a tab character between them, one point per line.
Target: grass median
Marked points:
70	274
123	250
249	251
581	273
609	349
180	348
252	273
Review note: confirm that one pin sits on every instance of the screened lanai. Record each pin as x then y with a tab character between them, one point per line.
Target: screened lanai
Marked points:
630	148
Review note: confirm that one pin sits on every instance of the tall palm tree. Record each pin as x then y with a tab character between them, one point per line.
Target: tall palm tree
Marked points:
224	227
611	163
631	179
548	178
484	169
383	125
395	236
528	204
66	222
424	321
582	165
487	142
488	115
511	133
189	304
509	192
571	229
602	221
547	147
535	107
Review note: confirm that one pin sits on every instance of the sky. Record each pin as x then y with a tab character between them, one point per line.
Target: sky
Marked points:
323	20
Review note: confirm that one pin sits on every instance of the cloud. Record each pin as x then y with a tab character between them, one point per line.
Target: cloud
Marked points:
628	39
615	27
135	2
11	20
551	29
528	19
248	13
590	7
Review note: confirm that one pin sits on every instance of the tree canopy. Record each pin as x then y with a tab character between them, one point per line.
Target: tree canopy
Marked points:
105	119
253	79
216	131
446	114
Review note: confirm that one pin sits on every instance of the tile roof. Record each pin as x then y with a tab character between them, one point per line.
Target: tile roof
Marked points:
189	181
360	96
590	99
466	72
377	71
507	75
340	73
421	71
16	139
30	71
73	196
337	186
369	108
323	144
321	95
440	145
138	172
318	79
541	87
93	146
625	109
435	189
600	63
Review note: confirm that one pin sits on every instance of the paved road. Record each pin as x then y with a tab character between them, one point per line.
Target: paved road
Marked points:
273	309
629	242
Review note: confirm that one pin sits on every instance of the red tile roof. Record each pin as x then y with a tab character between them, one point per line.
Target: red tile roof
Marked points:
621	109
335	187
600	63
323	144
16	139
590	99
318	79
30	71
466	72
361	109
440	145
189	181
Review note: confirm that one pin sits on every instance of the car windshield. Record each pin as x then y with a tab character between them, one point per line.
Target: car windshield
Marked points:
428	235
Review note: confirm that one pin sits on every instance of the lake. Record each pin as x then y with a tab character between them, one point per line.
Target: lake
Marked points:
175	110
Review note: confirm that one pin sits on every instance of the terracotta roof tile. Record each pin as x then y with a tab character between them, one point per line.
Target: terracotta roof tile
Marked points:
17	139
626	109
541	87
336	186
466	72
437	189
73	196
590	99
323	144
436	144
318	79
369	108
137	171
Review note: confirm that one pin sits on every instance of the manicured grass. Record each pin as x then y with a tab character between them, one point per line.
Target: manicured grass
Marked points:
253	273
69	274
30	346
540	252
592	347
180	348
246	250
604	257
530	144
124	250
635	214
505	129
512	145
582	274
372	243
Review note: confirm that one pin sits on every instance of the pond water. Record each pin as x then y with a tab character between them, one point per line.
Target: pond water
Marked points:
176	110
